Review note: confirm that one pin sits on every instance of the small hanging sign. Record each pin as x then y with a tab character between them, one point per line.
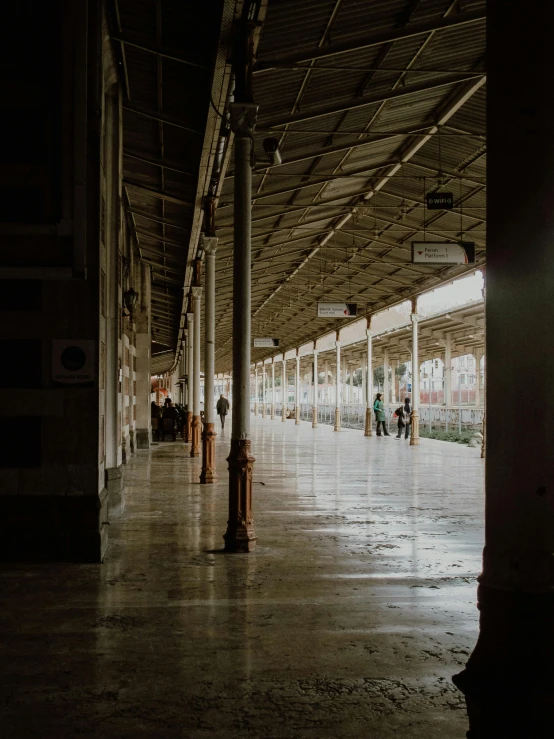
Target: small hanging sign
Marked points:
336	310
440	201
265	343
429	252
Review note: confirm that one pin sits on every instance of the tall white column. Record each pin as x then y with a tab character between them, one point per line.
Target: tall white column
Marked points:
478	357
208	474
256	390
264	390
337	386
284	390
414	438
314	407
386	381
344	384
448	371
326	383
273	388
369	379
297	389
195	449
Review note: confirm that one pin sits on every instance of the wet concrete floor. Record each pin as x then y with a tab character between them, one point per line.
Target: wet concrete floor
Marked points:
347	621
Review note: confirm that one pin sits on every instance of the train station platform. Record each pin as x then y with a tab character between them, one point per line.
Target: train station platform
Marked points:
348	620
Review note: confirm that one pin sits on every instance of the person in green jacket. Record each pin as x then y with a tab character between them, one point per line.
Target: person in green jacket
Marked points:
379	410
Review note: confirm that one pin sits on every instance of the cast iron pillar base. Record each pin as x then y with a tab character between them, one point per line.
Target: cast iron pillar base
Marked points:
314	417
368	431
255	409
272	412
297	415
208	473
414	436
240	535
284	413
508	681
195	441
337	420
187	432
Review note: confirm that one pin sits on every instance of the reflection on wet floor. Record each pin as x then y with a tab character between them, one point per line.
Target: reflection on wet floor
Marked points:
347	621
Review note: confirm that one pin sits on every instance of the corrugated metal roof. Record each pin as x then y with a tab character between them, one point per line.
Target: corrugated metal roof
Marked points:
369	260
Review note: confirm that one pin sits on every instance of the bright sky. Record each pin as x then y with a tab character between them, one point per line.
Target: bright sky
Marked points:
456	293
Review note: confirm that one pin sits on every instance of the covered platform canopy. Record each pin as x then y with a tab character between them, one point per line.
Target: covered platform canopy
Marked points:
374	106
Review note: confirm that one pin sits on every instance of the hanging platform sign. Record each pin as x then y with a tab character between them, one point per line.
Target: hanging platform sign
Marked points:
73	361
265	343
440	201
428	252
336	310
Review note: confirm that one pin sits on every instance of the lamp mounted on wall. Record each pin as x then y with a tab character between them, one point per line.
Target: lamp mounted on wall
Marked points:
130	298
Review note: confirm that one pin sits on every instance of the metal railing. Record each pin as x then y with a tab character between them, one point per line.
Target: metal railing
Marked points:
353	415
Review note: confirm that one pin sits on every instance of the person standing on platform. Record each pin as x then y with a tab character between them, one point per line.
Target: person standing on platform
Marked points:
404	414
380	417
222	408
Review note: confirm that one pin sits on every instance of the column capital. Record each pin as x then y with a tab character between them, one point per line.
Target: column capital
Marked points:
190	318
337	343
196	291
369	333
316	352
209	244
243	118
414	317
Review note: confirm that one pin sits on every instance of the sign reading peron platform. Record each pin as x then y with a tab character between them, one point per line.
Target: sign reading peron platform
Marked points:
265	343
440	200
336	310
428	252
73	361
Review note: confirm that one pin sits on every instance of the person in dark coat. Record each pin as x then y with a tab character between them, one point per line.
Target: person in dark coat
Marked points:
170	411
404	414
222	409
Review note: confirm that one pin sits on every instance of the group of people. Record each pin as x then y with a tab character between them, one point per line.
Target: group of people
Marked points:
402	413
178	412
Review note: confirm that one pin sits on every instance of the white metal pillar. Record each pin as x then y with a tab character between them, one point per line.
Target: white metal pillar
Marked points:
272	388
297	390
369	379
256	390
264	389
337	385
314	407
478	357
414	437
448	371
386	382
284	390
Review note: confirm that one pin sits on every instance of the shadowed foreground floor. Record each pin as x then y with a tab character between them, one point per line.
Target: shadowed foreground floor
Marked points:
347	621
